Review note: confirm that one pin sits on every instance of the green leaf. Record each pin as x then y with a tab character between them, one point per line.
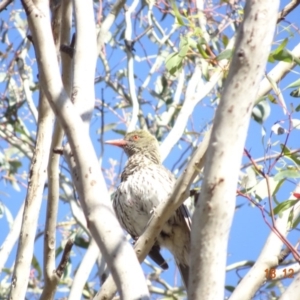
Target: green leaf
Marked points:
279	184
58	251
294	84
296	222
174	63
295	94
280	53
226	54
285	149
281	46
261	111
225	40
295	158
292	173
202	51
183	51
191	42
229	288
290	219
36	266
177	13
119	131
284	206
284	55
81	242
107	127
14	165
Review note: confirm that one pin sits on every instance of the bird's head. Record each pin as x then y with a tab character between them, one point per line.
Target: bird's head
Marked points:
139	142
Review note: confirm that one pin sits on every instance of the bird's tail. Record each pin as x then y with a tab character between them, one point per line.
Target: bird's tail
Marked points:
184	272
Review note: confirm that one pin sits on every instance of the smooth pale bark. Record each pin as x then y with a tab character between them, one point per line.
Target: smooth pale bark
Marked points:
215	209
293	290
51	277
11	238
87	175
84	270
36	183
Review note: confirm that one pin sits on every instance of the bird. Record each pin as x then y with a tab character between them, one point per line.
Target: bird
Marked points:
145	182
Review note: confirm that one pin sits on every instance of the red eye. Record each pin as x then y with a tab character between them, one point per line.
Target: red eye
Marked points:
135	137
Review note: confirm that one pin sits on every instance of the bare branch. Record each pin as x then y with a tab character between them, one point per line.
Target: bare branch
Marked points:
65	258
293	289
215	208
25	80
4	4
86	173
11	238
107	23
83	271
130	67
287	9
51	277
33	200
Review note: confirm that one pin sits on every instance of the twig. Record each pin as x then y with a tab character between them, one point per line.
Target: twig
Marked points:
83	271
287	9
130	67
269	157
273	227
4	4
33	200
65	258
11	238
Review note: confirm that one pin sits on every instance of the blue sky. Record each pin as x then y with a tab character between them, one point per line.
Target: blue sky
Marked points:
249	230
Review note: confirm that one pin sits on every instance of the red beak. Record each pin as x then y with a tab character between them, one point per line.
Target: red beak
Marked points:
119	143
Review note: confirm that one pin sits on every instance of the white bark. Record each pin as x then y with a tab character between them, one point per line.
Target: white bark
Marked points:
83	90
11	238
88	177
36	182
215	209
130	68
84	271
292	290
51	276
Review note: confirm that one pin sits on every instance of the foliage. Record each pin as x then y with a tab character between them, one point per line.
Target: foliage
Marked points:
172	98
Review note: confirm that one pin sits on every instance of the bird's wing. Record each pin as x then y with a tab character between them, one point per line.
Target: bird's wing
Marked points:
184	271
185	214
156	256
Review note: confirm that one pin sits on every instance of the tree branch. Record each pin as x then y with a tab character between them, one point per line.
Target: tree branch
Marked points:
36	182
215	208
11	238
130	67
83	271
4	4
287	9
87	175
65	258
